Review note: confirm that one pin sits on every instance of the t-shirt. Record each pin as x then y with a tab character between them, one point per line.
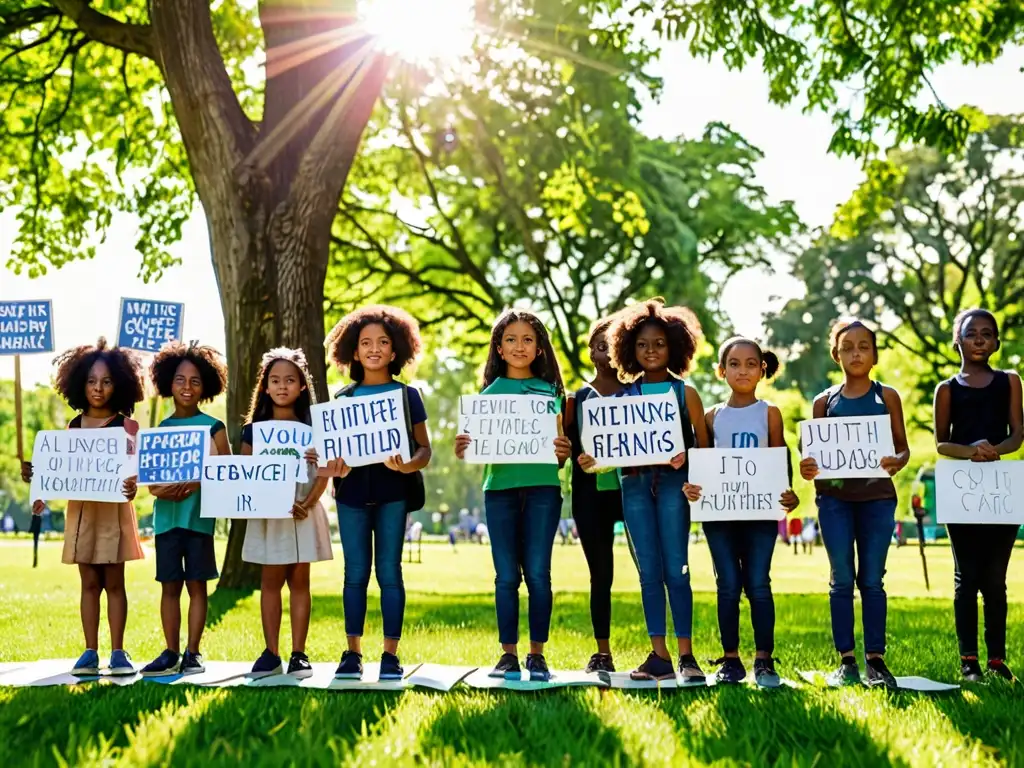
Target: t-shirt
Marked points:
502	477
168	515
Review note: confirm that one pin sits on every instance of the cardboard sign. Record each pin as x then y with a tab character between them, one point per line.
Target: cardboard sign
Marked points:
509	429
168	455
980	492
283	438
26	327
361	430
738	484
148	325
80	465
848	447
632	431
248	487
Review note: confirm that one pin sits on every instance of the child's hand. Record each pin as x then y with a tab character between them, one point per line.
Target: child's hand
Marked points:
26	471
563	449
37	507
334	468
891	464
461	444
299	511
130	488
397	464
790	500
187	489
809	468
691	492
586	462
678	461
984	451
312	457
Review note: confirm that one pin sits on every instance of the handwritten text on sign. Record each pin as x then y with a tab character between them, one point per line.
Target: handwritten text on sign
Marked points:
282	438
509	429
632	431
979	492
248	487
738	484
172	454
26	327
361	430
848	447
80	464
148	325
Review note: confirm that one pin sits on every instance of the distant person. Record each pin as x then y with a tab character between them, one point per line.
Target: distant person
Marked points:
8	522
796	529
809	535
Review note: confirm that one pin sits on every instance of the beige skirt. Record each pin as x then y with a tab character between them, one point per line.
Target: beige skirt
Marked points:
100	533
288	541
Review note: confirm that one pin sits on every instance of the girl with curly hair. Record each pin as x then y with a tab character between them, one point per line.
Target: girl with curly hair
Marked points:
103	384
374	345
189	375
523	502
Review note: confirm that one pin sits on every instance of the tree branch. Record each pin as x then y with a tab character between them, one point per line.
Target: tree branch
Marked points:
131	38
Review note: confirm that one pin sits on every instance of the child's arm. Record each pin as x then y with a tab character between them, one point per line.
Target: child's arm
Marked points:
893	464
420	458
1013	442
777	439
300	510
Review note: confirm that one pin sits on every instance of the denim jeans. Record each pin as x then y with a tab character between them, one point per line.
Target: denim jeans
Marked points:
657	516
521	523
869	526
742	554
371	533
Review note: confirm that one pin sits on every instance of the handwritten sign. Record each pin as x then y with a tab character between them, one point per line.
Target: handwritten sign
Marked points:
980	492
633	431
361	430
283	438
80	465
738	484
848	447
509	429
172	454
26	327
148	325
248	487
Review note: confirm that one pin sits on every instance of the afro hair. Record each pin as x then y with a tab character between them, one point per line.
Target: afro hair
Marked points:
211	365
125	368
681	327
399	325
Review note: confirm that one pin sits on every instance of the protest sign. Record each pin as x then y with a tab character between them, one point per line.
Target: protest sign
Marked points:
26	327
148	325
361	430
509	429
633	431
172	454
248	487
848	447
79	465
738	483
979	492
283	438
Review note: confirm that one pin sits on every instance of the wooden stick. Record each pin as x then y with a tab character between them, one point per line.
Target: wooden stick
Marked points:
17	408
154	410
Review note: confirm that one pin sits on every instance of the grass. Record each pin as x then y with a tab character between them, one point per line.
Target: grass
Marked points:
450	619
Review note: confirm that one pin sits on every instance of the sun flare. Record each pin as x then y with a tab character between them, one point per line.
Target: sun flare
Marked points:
420	30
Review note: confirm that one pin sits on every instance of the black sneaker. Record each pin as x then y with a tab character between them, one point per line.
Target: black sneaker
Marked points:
970	670
655	668
192	663
299	666
847	674
731	671
765	675
351	666
690	672
878	675
390	667
266	665
537	666
600	662
998	668
507	667
167	663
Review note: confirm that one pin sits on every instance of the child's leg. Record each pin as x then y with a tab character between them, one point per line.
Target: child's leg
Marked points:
724	542
596	528
91	577
968	557
759	546
837	530
541	511
300	604
638	509
200	568
999	540
272	581
198	605
388	539
170	613
503	511
673	513
117	603
875	521
356	528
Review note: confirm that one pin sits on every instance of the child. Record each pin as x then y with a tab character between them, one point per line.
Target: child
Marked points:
375	344
523	502
190	375
858	513
978	417
285	548
742	550
103	384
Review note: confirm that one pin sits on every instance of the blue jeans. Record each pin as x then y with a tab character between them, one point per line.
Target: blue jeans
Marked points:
658	518
521	523
373	533
742	554
869	525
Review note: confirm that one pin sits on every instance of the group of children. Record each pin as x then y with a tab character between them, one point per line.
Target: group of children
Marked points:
646	348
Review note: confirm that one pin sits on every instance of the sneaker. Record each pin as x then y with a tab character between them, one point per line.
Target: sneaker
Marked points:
998	667
192	663
167	663
390	667
600	662
507	667
731	672
88	664
299	666
847	674
690	672
879	675
765	675
120	664
655	668
266	665
537	666
351	666
970	669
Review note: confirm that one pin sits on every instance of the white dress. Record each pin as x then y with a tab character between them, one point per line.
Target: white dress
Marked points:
287	541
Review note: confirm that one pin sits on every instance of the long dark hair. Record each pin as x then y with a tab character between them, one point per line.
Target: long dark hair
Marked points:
125	366
399	325
261	408
682	332
545	366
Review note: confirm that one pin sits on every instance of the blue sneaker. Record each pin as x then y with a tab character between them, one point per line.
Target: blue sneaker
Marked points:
731	671
266	665
655	668
167	663
351	666
390	667
507	668
537	666
120	664
765	675
192	663
88	664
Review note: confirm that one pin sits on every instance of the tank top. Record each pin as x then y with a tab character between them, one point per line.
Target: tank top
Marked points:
980	413
741	427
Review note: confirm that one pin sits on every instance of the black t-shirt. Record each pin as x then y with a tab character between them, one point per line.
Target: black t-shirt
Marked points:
980	413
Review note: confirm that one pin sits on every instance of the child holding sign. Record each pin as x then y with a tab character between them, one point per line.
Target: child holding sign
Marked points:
104	385
742	549
858	513
189	375
523	501
373	345
284	547
978	416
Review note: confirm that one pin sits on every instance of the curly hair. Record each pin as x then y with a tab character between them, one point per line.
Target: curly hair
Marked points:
544	366
261	407
125	368
845	324
401	327
213	370
769	360
961	320
681	327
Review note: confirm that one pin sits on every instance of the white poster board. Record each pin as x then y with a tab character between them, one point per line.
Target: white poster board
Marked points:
362	430
80	465
632	431
249	487
848	447
167	455
979	492
738	483
283	438
509	429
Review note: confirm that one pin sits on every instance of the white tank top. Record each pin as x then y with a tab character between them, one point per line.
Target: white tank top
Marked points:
742	427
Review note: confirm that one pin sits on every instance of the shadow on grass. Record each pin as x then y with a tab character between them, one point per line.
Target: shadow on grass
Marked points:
222	602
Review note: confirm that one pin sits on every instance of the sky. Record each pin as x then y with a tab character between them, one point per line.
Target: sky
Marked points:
796	167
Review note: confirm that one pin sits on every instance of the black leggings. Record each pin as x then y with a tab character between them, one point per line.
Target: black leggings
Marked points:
595	514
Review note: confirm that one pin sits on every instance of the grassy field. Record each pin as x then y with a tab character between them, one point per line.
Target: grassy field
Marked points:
450	619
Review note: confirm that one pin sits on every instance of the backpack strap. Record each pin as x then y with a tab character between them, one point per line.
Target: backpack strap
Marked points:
689	438
348	390
833	397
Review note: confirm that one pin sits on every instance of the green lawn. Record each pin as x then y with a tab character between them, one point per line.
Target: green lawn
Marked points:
450	619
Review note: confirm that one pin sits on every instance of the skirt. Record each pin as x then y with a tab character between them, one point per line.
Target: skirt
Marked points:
100	533
288	541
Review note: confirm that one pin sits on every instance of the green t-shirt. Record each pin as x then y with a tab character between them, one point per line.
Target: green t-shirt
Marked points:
168	515
502	477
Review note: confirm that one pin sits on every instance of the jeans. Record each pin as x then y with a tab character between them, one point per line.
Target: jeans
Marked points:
981	555
742	554
521	523
869	525
657	516
373	532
